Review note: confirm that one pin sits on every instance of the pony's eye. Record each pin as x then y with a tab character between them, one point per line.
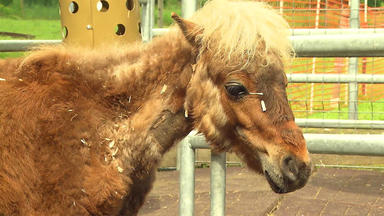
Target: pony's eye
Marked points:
236	90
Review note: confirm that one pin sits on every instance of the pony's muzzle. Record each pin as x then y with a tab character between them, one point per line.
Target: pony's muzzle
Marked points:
291	175
290	168
294	169
295	172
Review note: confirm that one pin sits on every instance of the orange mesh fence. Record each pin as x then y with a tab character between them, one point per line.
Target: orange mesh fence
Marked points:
321	100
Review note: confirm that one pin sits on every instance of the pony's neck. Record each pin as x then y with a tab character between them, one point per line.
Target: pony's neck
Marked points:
162	70
151	89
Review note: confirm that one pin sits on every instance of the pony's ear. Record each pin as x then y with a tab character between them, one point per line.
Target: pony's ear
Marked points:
190	30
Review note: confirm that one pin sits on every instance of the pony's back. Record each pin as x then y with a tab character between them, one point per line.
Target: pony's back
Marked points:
9	66
47	120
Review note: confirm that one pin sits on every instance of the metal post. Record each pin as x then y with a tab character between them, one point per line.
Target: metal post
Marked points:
353	87
147	19
187	179
218	184
178	156
281	7
188	7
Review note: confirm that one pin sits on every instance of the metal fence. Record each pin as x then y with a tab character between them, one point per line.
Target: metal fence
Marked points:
307	43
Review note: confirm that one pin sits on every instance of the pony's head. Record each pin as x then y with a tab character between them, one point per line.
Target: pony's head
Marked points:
237	93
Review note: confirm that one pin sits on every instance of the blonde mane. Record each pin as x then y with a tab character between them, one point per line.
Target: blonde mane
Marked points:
245	30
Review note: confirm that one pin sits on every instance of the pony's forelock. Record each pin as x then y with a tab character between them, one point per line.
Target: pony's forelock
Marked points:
243	30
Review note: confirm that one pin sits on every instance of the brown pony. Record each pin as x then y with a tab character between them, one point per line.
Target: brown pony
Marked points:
82	132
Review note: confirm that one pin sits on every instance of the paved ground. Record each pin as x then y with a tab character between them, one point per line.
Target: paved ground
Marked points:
330	192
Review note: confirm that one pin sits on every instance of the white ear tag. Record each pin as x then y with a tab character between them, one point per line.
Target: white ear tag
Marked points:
256	93
263	107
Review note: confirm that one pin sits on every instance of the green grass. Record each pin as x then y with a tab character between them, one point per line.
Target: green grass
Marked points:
325	108
40	28
366	111
43	22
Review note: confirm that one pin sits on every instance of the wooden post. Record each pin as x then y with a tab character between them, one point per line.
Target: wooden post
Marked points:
317	22
160	6
22	7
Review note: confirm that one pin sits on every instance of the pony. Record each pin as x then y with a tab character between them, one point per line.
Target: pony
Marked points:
83	131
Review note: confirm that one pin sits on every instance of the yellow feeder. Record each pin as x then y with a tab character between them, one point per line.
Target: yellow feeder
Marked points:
94	23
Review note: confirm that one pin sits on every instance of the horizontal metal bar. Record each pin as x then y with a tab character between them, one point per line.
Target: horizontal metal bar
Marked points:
339	45
335	78
198	142
356	31
159	31
349	166
333	42
307	32
24	45
330	100
312	45
293	10
343	144
334	123
346	144
209	162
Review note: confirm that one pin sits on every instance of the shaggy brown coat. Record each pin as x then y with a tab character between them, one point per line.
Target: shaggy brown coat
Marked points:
75	136
82	132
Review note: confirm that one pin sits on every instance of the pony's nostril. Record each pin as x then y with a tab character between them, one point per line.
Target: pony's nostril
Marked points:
289	168
287	160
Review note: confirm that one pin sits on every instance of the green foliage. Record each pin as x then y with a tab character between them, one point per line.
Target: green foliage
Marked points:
42	2
203	165
374	3
170	3
6	11
5	2
173	6
42	12
14	10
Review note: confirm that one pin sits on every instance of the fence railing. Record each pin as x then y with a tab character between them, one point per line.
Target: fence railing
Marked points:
317	143
307	43
187	176
345	43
